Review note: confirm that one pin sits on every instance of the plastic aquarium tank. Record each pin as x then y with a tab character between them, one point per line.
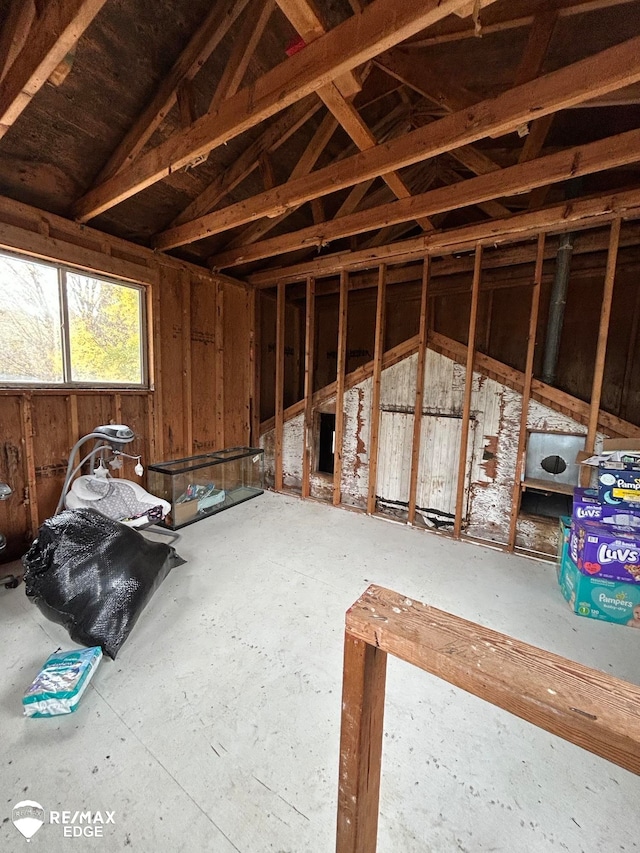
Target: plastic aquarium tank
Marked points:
199	486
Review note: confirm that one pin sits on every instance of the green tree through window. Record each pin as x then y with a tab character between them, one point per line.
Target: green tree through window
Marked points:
103	321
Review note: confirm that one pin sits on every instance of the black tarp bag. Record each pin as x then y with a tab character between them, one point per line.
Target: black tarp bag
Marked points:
94	575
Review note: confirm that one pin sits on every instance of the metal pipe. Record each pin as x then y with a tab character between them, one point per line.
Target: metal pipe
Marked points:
556	308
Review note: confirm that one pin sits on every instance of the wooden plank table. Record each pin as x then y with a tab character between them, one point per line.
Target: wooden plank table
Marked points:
593	710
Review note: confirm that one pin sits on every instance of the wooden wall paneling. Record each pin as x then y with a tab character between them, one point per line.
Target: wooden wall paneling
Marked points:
526	391
279	389
468	388
375	395
341	366
170	345
134	413
155	366
309	351
219	366
603	336
236	372
203	375
254	365
31	489
420	375
187	404
117	417
14	512
73	423
50	448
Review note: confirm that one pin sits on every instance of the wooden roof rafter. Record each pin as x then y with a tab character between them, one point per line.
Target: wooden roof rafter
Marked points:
381	25
49	37
605	71
208	36
501	20
581	160
388	127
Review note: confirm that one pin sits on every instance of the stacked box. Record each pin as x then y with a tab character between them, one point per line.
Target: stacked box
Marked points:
599	547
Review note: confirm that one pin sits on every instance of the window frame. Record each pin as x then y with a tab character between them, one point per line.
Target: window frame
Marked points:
65	344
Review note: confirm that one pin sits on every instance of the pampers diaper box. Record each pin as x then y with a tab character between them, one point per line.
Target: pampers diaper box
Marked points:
598	598
620	487
606	550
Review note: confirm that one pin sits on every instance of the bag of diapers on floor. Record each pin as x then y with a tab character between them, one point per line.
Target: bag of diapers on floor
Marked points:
58	686
94	576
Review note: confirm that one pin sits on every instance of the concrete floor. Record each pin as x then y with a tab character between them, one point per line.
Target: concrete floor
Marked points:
217	727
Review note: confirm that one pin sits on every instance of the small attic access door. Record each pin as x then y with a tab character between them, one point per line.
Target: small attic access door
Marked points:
438	464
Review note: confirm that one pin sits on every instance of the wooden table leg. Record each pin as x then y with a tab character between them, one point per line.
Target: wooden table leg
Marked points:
363	686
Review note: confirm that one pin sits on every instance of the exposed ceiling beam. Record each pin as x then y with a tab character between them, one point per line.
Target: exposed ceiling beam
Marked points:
433	85
352	122
305	19
501	22
15	31
208	36
276	134
605	71
580	213
381	25
542	27
305	164
50	38
273	137
582	160
246	41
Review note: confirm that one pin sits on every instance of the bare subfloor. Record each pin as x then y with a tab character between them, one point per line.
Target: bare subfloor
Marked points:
217	727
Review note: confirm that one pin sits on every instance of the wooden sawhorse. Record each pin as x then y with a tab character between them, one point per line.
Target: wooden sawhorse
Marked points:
582	705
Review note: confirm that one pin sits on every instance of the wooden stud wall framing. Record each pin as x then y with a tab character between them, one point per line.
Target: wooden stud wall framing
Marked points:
468	388
584	706
309	339
603	335
526	390
341	367
417	408
375	393
279	402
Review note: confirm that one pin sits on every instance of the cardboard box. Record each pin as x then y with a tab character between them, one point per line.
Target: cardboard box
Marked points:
605	550
598	598
588	507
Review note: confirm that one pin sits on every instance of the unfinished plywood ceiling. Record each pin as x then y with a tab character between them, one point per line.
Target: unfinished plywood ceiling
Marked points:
252	134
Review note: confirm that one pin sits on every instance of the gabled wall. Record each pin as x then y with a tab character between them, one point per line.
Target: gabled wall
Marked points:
491	456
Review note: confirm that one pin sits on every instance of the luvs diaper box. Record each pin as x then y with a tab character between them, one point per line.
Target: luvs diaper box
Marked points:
606	550
587	507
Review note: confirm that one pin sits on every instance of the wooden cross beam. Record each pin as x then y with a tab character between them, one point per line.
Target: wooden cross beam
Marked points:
608	70
513	180
208	36
580	213
49	39
379	26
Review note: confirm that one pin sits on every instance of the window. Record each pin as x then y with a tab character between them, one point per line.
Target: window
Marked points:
59	326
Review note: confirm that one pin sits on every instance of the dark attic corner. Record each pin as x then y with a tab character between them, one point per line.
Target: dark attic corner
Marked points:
325	254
